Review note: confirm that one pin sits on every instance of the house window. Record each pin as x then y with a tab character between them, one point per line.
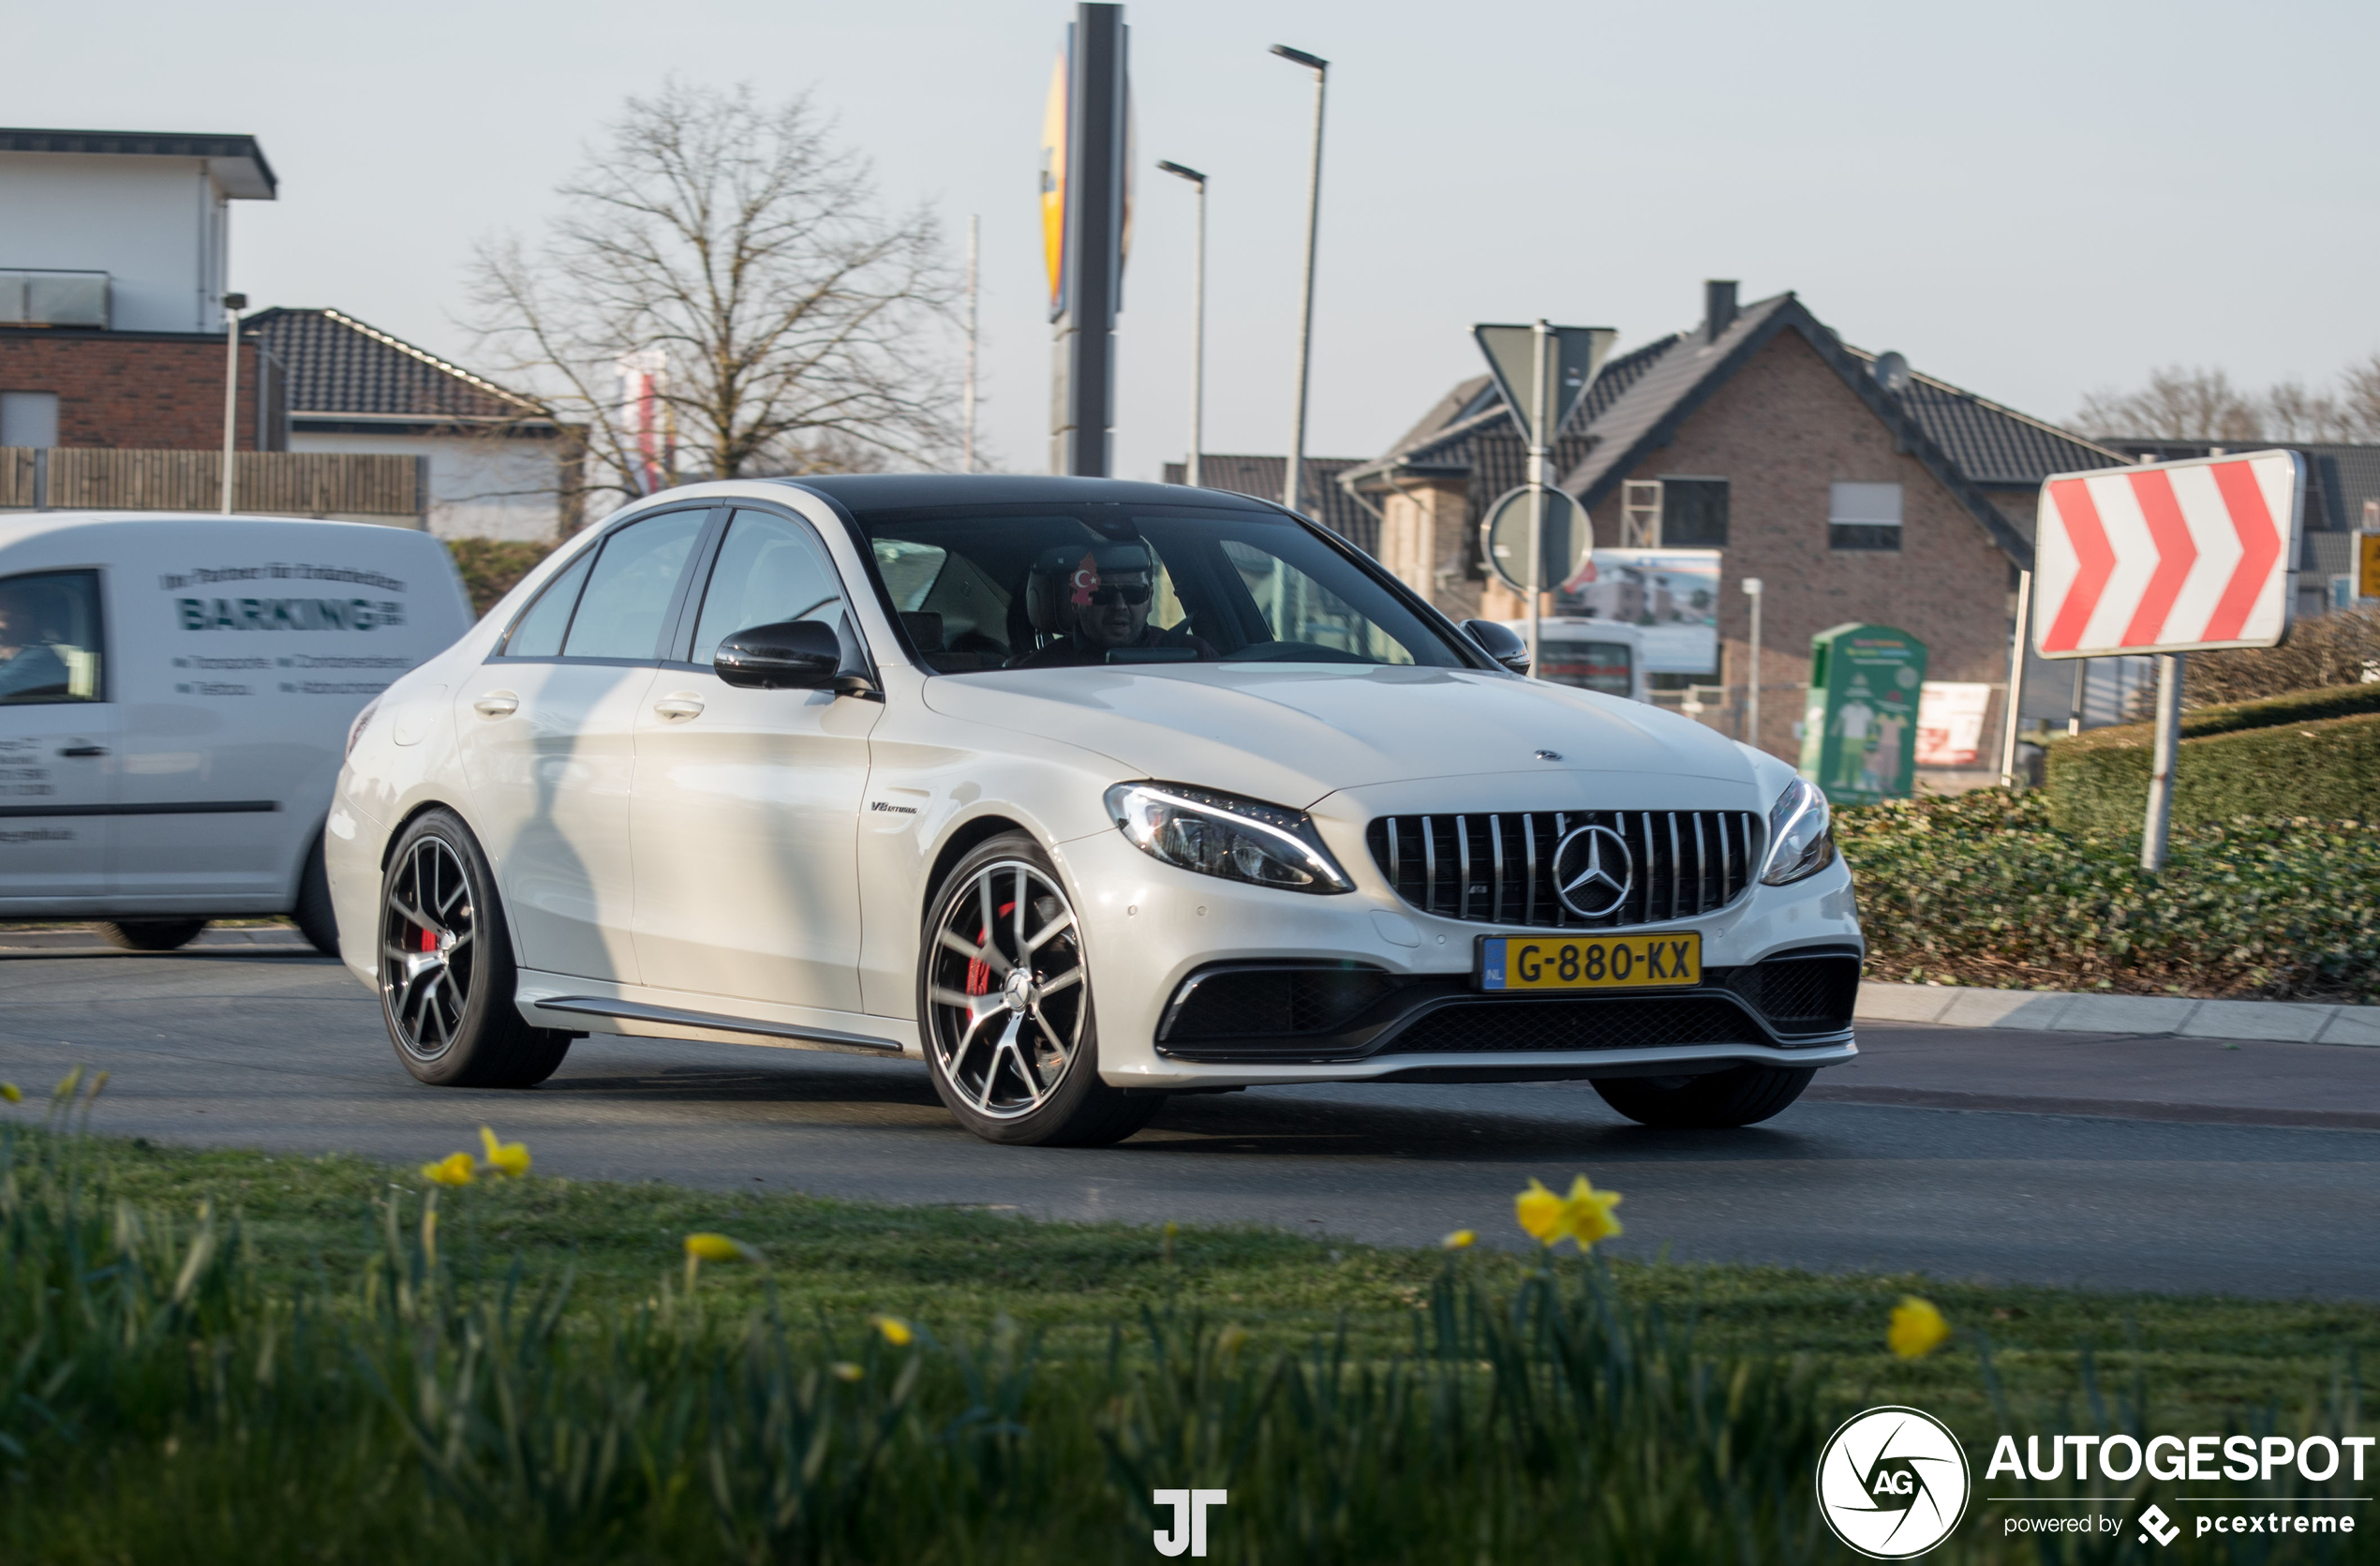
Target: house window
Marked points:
1693	513
28	418
1864	516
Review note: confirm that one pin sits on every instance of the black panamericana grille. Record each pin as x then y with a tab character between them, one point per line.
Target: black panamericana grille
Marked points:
1498	869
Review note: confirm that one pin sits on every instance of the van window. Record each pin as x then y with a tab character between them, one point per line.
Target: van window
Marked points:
771	569
1604	666
629	593
50	637
539	633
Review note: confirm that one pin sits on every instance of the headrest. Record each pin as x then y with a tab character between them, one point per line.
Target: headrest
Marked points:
1072	571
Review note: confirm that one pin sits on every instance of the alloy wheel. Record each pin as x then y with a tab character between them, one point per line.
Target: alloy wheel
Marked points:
426	951
1007	995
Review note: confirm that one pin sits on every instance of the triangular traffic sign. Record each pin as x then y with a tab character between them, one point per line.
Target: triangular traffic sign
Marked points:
1512	356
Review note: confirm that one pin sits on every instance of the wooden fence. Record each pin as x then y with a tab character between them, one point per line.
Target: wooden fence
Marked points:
276	483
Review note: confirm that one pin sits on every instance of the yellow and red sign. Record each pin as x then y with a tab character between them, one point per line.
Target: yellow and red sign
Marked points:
1053	184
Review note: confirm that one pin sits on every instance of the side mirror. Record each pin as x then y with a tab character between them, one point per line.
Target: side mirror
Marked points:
1501	642
790	655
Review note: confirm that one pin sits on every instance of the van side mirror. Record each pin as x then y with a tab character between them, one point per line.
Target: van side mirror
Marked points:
1500	642
790	655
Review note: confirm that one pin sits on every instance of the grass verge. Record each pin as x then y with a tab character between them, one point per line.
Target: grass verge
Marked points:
222	1355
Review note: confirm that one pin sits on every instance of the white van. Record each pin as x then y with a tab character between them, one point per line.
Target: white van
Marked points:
175	694
1605	655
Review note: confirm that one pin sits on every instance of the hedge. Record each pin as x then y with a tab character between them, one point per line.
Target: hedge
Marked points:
2314	754
1987	888
492	567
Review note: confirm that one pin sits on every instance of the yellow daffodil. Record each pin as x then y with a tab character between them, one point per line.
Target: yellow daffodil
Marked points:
12	1093
1917	1328
1539	1213
1462	1239
1586	1214
97	1082
843	1370
507	1157
67	1083
453	1170
1229	1341
1583	1215
896	1332
719	1248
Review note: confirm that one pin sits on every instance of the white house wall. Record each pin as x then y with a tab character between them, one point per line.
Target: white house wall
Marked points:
156	225
480	486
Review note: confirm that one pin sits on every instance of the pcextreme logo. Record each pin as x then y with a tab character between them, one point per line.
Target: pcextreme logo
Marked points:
1893	1483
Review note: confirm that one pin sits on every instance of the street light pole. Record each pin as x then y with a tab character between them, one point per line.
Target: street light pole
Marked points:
1752	586
1195	470
1321	69
232	304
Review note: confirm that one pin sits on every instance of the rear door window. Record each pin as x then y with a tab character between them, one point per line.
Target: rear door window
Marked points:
630	591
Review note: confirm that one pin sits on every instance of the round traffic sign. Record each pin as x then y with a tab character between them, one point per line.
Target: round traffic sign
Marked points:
1504	539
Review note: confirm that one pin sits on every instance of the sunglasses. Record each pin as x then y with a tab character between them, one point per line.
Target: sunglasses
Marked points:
1135	596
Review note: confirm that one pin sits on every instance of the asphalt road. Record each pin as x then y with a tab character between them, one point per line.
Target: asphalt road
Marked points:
2140	1163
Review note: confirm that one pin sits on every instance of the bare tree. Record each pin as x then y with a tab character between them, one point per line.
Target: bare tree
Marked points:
2359	396
736	251
2178	404
2292	412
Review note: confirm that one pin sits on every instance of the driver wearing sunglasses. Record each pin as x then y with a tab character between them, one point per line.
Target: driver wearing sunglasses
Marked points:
1096	599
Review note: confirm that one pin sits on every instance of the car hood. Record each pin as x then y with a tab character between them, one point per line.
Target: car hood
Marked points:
1295	735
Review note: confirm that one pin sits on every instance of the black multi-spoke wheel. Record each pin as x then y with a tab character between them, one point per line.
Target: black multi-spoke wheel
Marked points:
446	966
1006	1005
426	956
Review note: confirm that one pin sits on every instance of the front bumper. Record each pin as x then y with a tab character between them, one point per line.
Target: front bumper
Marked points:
1148	928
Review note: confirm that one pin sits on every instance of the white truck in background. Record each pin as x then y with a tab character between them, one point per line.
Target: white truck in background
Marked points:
175	695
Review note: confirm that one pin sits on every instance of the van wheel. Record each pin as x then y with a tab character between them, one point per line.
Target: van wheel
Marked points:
150	934
1004	994
447	977
1741	1095
313	914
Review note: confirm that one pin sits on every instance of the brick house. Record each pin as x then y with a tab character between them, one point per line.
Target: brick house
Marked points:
1895	499
1267	477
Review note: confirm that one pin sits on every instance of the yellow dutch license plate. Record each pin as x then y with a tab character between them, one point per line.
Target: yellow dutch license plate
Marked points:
1590	962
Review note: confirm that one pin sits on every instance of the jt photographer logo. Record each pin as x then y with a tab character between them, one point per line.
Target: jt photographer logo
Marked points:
1189	1531
1893	1483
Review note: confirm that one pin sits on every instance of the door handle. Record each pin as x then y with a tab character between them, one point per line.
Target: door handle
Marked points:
84	750
496	704
683	704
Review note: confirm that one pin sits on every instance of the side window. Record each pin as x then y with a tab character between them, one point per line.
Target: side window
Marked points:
771	569
50	637
539	633
628	594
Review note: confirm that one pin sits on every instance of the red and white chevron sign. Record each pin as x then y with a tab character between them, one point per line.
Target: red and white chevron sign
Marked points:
2172	557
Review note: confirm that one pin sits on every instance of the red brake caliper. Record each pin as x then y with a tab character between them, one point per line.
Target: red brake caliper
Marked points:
979	971
429	941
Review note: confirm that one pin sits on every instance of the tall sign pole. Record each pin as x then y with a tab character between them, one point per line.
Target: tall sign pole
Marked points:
1085	170
1541	364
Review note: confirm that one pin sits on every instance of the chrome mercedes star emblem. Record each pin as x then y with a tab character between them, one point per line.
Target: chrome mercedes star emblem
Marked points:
1593	870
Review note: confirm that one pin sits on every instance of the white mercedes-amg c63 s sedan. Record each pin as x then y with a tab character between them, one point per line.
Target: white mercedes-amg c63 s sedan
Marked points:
1080	793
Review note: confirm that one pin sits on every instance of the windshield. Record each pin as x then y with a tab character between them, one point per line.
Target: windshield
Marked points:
1042	586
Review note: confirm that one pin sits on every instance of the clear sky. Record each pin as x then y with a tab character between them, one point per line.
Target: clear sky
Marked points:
2026	199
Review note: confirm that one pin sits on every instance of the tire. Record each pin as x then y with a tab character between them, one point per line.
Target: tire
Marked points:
1016	1060
313	914
446	972
150	934
1741	1095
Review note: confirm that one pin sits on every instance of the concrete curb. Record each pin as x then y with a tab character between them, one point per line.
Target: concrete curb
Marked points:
2051	1011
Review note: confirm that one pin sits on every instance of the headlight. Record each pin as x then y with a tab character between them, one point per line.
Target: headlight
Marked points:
1216	834
1801	836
